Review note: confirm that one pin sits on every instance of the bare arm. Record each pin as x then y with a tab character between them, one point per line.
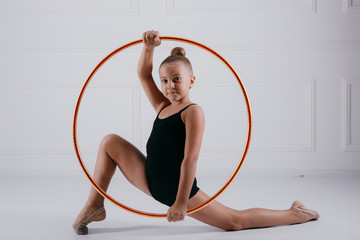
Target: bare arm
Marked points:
195	124
144	70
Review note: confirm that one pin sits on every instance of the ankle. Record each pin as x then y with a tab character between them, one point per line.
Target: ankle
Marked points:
298	215
94	204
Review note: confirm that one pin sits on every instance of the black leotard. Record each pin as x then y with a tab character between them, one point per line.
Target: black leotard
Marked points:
165	153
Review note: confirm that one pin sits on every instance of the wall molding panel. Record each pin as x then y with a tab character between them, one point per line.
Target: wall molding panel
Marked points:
68	8
294	46
351	110
288	143
41	133
211	7
351	5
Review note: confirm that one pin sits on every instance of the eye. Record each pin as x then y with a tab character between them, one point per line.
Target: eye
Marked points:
164	81
176	79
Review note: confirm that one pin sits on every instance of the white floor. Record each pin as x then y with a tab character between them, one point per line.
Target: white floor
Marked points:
43	207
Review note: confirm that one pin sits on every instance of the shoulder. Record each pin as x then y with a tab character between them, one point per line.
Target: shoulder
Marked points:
193	113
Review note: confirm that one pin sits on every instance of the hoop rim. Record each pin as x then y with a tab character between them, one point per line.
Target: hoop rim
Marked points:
245	150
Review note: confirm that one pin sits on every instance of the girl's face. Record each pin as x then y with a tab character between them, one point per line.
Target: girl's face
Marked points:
176	80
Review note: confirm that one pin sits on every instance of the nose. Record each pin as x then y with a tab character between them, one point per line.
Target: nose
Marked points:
172	84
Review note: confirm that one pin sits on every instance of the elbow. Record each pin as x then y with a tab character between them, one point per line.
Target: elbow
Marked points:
190	160
144	71
140	72
144	74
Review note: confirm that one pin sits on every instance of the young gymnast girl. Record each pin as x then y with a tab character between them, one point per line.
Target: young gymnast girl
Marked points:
167	173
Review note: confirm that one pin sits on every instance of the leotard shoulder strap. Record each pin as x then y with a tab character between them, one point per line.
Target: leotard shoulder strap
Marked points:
186	107
179	112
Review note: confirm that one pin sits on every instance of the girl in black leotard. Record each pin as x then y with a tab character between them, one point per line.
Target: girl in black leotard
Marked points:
168	171
165	153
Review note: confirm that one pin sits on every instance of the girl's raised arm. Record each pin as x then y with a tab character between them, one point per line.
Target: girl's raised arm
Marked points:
144	70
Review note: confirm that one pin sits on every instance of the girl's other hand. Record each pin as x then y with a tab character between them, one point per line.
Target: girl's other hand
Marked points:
176	212
151	39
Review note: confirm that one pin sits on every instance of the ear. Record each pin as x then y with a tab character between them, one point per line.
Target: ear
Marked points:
192	81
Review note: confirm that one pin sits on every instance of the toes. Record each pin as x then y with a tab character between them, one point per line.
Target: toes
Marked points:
81	230
305	214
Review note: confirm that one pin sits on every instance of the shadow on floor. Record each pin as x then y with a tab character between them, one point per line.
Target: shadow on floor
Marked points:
156	230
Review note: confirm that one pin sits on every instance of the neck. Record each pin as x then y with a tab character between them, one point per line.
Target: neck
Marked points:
182	101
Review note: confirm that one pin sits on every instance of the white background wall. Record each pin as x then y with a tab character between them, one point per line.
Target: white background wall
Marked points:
299	61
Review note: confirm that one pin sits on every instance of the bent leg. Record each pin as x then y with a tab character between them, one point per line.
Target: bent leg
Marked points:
114	151
218	215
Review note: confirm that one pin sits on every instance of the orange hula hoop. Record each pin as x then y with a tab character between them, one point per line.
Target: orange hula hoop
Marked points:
246	148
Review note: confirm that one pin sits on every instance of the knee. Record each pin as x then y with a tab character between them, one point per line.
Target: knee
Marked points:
109	140
234	223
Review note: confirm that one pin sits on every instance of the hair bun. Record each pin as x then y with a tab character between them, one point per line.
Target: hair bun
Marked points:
178	51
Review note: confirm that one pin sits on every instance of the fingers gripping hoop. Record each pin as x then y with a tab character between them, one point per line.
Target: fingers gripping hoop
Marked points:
246	147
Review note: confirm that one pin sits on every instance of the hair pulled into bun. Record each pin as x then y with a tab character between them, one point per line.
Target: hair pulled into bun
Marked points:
178	51
177	55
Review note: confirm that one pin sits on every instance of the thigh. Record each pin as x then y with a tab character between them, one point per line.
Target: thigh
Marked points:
129	159
214	214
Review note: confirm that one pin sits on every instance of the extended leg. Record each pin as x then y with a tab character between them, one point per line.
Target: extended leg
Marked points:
218	215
